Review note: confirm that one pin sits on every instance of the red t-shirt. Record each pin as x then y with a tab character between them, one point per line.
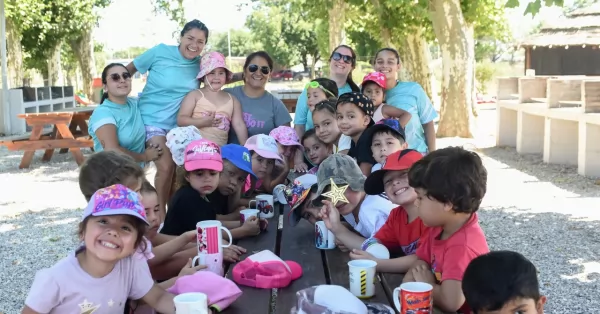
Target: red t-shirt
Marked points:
449	258
398	232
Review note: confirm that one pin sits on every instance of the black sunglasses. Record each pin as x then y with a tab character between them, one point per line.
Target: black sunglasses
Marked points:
264	69
337	56
116	77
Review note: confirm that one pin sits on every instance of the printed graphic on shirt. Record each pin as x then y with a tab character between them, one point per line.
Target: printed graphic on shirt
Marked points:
434	269
251	122
411	248
87	307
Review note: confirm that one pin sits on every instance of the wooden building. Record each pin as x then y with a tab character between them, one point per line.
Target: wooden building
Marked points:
566	46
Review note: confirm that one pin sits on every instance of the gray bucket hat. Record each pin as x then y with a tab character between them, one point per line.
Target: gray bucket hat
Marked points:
343	169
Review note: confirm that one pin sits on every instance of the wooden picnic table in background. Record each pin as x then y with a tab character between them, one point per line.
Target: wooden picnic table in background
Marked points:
68	131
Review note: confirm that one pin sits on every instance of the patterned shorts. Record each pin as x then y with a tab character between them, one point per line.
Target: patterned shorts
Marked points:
152	131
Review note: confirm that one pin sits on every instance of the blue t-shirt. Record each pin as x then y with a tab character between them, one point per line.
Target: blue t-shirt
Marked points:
171	77
126	119
411	97
303	115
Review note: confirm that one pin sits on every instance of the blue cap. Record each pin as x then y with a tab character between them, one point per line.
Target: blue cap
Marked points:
392	125
239	156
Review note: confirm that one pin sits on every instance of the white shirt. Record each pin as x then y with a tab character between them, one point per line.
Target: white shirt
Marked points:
343	144
376	167
372	215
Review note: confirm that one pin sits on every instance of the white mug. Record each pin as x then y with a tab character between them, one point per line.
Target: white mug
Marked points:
209	238
264	203
213	262
246	214
191	303
324	239
362	278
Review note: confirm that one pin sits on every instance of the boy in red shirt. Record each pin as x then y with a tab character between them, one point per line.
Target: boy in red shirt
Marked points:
450	184
403	227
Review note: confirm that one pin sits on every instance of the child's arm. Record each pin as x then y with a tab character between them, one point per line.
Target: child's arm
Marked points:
396	265
237	121
250	227
186	270
331	217
27	310
160	300
448	296
184	117
392	112
343	152
165	251
365	167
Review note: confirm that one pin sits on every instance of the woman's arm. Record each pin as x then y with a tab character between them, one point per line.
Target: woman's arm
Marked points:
131	68
184	117
236	77
392	112
429	130
237	120
107	135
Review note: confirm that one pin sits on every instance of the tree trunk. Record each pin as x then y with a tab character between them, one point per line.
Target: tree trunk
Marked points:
14	55
457	44
406	60
83	47
337	17
386	36
418	49
55	73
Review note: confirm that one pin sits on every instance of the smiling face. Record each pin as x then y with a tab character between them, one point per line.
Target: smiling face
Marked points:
387	63
326	126
204	181
110	238
350	119
340	67
150	202
231	179
253	73
315	96
383	144
118	82
395	185
217	78
316	150
192	43
374	92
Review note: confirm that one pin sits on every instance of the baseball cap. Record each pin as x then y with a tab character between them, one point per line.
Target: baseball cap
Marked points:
239	156
203	154
400	160
296	193
178	139
375	77
392	125
361	101
115	200
343	170
333	299
286	136
264	145
266	270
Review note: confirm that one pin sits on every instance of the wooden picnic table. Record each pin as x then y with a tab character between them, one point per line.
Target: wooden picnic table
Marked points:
68	131
319	267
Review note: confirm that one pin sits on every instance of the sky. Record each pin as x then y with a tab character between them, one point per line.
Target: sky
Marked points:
119	28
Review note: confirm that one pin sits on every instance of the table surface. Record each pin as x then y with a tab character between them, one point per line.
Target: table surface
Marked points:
319	267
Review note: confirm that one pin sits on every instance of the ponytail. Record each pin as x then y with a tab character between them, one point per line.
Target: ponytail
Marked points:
104	97
350	82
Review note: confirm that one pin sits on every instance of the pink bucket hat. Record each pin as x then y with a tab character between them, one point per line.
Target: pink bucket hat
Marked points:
178	139
203	154
221	292
375	77
264	145
286	136
211	61
266	270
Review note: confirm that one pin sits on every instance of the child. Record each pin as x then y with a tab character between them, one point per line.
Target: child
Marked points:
373	86
102	274
502	282
326	128
299	195
354	115
288	145
209	108
386	137
264	152
315	149
450	184
320	89
403	228
371	211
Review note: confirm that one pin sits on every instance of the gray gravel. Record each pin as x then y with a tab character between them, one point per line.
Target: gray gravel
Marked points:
547	212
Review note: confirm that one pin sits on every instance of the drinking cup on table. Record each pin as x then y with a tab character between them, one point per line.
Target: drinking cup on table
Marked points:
209	238
191	303
264	204
413	297
362	278
324	239
246	214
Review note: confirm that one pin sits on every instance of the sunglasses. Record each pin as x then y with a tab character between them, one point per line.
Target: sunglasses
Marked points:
116	77
264	69
338	56
315	84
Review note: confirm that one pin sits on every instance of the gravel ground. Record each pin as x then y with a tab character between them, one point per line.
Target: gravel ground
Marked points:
547	212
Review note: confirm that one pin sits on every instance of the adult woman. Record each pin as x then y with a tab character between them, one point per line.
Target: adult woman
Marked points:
262	111
117	123
409	96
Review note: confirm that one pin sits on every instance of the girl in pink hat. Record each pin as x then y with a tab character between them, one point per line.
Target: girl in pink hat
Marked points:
373	86
210	109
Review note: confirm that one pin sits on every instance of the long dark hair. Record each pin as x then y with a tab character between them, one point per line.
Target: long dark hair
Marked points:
105	75
195	24
349	80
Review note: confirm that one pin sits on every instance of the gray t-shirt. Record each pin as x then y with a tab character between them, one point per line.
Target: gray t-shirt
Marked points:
261	114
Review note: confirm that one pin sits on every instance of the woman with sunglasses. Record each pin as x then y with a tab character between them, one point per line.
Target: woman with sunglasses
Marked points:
262	111
117	123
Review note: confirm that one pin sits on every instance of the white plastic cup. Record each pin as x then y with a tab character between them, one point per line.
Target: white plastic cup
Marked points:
191	303
362	278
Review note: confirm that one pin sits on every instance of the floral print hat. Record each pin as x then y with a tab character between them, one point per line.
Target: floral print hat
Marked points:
210	61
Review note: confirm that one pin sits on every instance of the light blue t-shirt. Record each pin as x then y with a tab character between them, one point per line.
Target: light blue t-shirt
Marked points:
411	97
303	115
126	119
171	77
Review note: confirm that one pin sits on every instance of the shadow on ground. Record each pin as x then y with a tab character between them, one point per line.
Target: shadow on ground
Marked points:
10	160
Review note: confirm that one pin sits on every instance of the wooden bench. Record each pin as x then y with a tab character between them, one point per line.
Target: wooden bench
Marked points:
289	99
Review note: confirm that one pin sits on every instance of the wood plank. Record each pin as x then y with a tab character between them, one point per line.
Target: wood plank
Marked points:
63	118
28	155
23	137
49	144
390	281
253	300
298	244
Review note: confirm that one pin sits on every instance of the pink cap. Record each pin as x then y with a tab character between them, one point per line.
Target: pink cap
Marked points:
375	77
203	154
286	136
264	145
210	61
266	275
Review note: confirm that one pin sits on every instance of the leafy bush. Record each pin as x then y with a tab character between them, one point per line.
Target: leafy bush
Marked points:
484	72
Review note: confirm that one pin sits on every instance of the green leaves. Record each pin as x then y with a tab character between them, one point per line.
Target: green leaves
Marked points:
533	7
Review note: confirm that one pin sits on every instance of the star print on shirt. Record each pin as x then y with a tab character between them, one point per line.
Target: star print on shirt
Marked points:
87	307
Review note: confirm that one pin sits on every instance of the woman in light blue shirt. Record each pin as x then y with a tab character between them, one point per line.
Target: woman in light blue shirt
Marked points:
117	123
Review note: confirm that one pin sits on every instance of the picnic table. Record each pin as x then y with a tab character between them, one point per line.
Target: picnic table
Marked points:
319	267
65	129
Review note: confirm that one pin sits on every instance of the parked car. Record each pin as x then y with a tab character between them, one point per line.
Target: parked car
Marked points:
288	75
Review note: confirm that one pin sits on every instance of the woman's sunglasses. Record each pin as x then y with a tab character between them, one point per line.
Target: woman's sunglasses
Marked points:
315	84
338	56
117	78
264	69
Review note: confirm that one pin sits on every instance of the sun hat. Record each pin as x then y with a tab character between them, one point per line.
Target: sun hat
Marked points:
266	270
178	139
392	125
375	77
286	136
203	154
296	193
115	200
343	170
333	299
210	61
221	292
239	156
264	145
397	161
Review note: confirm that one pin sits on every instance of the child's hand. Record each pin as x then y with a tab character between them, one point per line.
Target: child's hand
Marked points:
300	167
359	254
152	152
189	270
252	226
422	273
331	216
232	253
190	236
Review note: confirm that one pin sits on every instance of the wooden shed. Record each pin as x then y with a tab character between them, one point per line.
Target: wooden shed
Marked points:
567	46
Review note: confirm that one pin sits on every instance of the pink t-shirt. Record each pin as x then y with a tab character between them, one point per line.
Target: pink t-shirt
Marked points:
147	254
67	288
249	182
